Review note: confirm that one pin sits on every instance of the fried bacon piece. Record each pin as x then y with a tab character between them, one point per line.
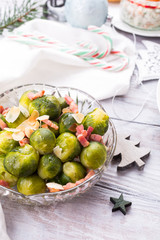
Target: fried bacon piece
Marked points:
2	124
72	105
50	124
33	96
96	138
23	142
82	140
1	109
4	183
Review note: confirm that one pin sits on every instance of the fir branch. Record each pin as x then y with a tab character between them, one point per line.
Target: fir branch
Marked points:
18	14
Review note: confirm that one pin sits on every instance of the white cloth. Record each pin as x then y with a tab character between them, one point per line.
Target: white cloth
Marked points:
3	233
22	64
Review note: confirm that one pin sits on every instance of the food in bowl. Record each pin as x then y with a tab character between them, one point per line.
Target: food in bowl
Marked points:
142	14
48	145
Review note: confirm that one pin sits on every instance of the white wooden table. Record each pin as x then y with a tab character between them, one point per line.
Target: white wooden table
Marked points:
90	217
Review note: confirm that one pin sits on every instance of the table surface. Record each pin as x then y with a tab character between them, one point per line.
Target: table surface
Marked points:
90	216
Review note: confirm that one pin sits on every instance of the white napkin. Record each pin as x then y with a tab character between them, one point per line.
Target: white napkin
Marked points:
3	233
22	64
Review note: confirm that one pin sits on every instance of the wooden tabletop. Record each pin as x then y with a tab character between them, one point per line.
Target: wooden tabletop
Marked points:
89	216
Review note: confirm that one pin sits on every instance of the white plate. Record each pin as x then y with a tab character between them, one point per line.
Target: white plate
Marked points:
158	95
114	10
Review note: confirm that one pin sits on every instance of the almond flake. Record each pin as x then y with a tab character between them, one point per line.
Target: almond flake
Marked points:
12	130
28	131
18	136
55	186
44	117
24	111
78	117
34	116
57	151
13	114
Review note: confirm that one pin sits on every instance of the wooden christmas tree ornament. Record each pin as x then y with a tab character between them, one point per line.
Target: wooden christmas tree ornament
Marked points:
129	152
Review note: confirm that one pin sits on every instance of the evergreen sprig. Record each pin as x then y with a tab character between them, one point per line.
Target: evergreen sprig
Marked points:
15	15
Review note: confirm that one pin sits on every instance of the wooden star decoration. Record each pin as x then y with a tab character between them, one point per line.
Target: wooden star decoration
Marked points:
120	204
129	152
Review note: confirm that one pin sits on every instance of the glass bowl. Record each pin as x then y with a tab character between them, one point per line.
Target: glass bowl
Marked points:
86	103
141	14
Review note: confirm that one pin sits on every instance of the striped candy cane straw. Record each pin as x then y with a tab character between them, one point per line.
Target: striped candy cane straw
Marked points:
110	67
44	42
104	34
88	54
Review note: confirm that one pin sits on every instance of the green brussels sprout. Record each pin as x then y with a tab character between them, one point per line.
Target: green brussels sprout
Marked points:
4	175
22	161
6	142
56	132
49	166
63	179
94	155
24	100
3	118
74	170
62	102
31	185
46	105
43	140
67	123
69	145
21	118
97	119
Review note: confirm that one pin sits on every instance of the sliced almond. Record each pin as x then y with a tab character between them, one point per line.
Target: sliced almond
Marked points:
24	111
31	122
58	151
13	114
34	116
44	117
28	131
78	117
18	136
12	130
55	186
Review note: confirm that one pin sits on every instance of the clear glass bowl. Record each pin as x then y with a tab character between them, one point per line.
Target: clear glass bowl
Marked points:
141	14
86	103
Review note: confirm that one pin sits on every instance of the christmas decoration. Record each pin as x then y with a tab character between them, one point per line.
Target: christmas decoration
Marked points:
120	204
14	14
82	13
130	152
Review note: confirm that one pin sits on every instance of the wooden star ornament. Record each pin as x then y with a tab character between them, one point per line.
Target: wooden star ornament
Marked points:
120	204
130	152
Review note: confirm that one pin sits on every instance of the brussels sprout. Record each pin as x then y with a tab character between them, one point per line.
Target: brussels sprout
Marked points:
94	155
67	123
22	161
31	185
62	102
21	118
74	170
49	166
6	142
3	118
46	105
69	145
56	132
43	140
63	179
24	100
4	175
97	119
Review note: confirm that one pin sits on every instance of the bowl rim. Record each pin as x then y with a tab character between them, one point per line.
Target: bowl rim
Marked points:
29	197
